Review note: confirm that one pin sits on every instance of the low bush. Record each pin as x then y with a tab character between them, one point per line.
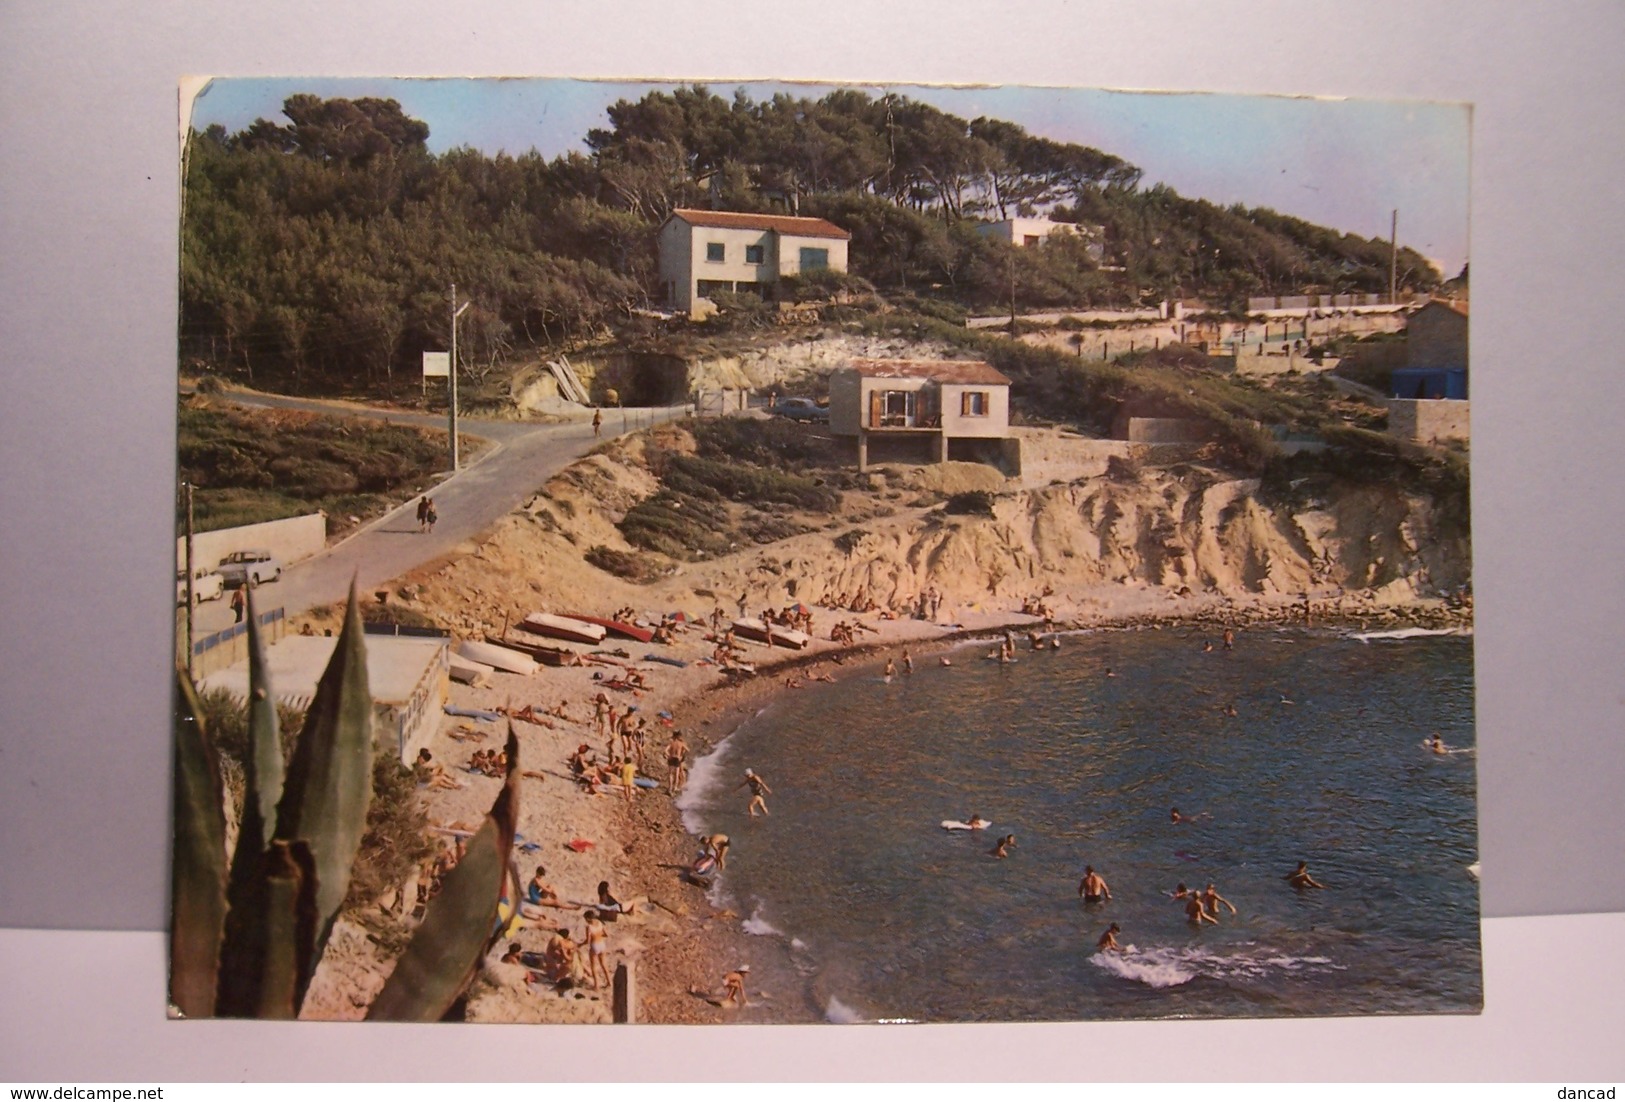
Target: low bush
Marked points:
623	564
971	503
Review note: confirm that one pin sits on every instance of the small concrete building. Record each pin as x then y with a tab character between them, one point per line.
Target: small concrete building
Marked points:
924	411
408	676
1428	396
1436	335
705	251
1027	233
1024	233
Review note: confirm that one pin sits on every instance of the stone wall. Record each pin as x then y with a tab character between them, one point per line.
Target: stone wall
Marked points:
1429	420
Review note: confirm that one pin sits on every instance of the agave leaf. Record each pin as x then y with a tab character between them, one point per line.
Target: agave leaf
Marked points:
198	868
457	925
290	921
329	781
263	768
248	946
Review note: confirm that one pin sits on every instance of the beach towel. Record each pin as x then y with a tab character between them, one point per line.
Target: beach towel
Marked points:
471	713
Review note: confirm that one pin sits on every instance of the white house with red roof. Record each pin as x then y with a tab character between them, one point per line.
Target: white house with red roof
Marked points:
705	251
924	411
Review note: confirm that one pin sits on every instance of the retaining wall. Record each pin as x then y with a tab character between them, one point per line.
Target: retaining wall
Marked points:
1429	420
290	540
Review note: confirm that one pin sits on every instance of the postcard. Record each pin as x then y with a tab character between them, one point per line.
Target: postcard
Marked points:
785	553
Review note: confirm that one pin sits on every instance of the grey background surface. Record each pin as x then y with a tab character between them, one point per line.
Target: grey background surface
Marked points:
88	209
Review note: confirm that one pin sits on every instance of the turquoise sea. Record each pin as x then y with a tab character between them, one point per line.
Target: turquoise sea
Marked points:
866	909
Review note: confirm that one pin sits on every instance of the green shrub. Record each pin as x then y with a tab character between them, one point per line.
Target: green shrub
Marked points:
623	564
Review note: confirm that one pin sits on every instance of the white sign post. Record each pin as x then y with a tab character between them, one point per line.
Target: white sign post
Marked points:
435	364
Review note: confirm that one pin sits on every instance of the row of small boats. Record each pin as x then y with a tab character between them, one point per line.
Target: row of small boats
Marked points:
474	659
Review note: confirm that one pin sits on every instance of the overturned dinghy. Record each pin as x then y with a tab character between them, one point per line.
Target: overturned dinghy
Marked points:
498	657
470	672
547	656
772	634
563	627
617	627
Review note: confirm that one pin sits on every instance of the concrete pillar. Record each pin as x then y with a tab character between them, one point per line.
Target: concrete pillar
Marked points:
863	450
942	447
624	1007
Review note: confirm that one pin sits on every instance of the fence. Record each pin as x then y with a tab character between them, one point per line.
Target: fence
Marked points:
229	646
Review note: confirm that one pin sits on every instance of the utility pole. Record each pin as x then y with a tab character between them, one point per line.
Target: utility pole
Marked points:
456	312
1393	261
191	597
1012	289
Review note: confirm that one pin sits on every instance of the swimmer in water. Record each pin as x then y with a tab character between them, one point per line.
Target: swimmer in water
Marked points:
1180	891
1109	672
1175	817
890	670
1299	877
758	789
1092	888
1108	940
1002	850
1436	744
1211	900
976	822
1195	913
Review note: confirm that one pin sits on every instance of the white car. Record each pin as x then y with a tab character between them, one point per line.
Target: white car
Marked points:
252	567
207	585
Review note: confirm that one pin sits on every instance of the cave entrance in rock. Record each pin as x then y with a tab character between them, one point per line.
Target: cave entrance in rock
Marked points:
642	379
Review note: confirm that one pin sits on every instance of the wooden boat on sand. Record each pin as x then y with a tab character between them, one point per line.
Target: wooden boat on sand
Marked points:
563	627
616	627
772	634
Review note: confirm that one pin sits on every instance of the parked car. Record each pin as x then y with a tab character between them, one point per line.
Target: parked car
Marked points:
801	409
207	585
252	567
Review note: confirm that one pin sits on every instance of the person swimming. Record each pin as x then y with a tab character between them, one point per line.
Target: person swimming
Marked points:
1299	877
1092	888
1002	850
1108	940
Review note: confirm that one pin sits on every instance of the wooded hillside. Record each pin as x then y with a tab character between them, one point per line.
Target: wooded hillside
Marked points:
317	251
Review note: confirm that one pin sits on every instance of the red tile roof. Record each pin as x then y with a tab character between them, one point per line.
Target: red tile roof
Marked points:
941	371
779	223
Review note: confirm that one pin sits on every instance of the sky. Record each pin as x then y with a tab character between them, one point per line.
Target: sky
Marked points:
1340	163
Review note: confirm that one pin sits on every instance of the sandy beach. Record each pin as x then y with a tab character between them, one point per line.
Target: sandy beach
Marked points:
676	940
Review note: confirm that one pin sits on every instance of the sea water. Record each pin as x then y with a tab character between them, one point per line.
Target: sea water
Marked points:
868	910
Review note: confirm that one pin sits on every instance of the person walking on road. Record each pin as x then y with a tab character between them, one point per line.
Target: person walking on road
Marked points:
429	514
423	514
239	601
597	422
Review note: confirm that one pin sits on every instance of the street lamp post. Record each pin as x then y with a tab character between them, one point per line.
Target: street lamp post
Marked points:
456	312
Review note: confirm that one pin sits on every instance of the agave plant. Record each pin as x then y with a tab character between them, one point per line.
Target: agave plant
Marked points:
248	928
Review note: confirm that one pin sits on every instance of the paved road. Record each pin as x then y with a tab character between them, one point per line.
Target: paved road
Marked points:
524	457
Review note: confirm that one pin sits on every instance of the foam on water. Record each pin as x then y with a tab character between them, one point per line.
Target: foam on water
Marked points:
760	926
1171	966
838	1012
1408	633
705	782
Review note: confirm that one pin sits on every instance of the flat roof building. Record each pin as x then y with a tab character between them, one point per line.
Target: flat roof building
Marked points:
408	676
